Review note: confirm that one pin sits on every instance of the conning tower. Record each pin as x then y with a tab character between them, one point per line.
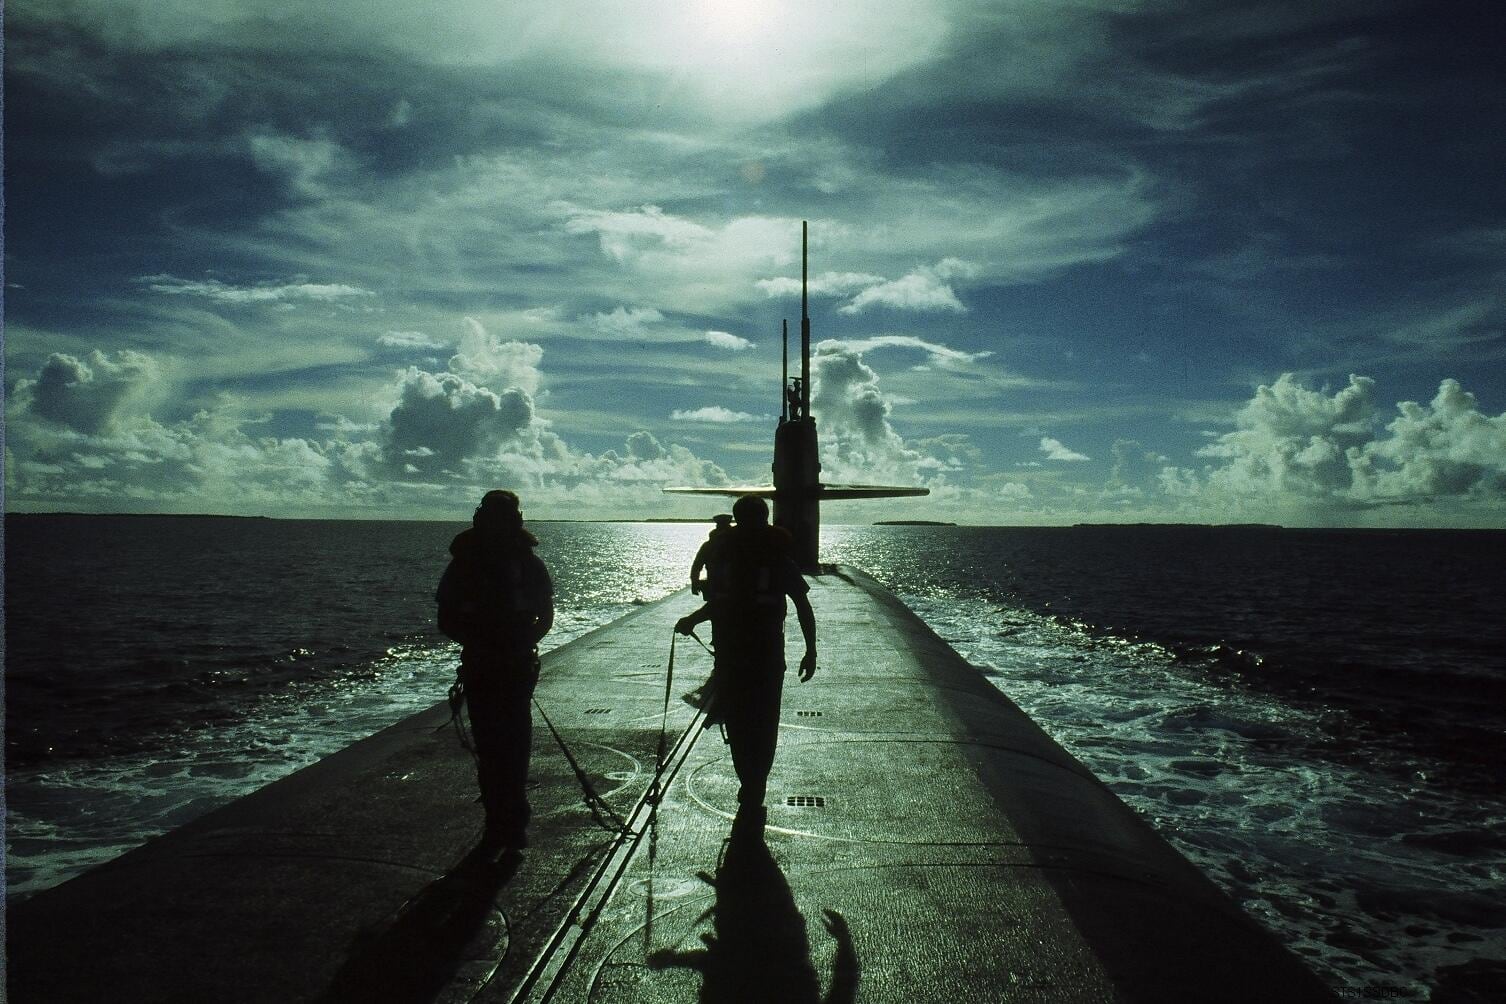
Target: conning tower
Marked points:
798	490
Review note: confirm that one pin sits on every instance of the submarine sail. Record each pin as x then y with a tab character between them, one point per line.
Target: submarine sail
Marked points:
797	490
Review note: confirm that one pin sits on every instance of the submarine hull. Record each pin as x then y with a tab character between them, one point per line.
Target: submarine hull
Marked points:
925	841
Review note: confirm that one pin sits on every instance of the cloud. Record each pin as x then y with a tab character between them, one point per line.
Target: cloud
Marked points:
927	288
1446	448
442	420
90	395
936	352
625	322
686	261
858	442
724	340
1134	466
1055	450
77	441
410	340
1290	439
825	284
1296	444
222	292
632	234
303	164
924	288
710	59
486	360
716	415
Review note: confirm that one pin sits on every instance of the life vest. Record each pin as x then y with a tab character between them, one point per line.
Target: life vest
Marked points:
486	599
749	585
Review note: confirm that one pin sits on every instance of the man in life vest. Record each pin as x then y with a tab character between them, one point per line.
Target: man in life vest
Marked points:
753	571
723	523
497	600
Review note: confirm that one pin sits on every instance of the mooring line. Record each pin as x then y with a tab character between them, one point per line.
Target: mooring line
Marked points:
560	950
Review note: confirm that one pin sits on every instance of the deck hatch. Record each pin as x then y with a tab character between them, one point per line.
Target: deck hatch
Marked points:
814	801
808	714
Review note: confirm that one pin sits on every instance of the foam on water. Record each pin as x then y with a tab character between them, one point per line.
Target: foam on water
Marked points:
1363	871
80	813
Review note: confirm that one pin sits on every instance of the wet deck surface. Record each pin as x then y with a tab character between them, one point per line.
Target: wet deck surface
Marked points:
924	842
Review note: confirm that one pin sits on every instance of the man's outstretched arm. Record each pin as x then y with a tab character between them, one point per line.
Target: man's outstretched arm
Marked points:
808	629
687	624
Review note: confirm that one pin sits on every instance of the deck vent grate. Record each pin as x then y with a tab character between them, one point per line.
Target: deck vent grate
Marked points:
598	711
816	801
808	714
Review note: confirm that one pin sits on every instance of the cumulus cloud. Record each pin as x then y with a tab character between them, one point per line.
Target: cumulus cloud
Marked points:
858	442
448	435
442	419
1054	449
1290	439
726	340
89	395
1444	448
927	288
1295	443
714	414
222	292
488	361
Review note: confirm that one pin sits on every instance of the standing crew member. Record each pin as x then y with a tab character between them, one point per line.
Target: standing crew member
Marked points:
753	572
497	600
723	523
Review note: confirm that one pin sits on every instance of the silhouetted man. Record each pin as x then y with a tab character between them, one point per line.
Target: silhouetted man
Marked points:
723	523
753	572
497	600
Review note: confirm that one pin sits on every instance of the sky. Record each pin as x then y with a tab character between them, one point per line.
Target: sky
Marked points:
1070	260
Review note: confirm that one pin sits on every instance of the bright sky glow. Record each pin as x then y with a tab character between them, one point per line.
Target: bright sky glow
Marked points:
1072	260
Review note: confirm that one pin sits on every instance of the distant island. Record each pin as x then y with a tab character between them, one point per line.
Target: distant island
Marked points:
1195	526
912	522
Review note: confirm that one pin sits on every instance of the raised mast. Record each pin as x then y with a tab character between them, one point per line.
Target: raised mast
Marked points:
805	329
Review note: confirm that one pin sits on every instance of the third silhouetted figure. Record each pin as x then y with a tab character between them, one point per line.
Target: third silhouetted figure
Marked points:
723	523
753	571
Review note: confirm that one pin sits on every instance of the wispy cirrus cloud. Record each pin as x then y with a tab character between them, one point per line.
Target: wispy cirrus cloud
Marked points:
223	292
716	415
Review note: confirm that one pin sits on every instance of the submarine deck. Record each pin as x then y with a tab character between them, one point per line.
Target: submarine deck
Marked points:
925	841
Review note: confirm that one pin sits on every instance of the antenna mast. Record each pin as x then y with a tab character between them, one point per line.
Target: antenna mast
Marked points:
805	333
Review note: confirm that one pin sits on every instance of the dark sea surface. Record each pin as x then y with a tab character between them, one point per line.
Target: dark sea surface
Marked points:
1316	718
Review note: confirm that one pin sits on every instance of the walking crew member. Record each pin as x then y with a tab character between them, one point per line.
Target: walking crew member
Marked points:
497	600
753	572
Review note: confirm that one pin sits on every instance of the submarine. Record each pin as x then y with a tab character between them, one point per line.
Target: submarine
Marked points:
925	841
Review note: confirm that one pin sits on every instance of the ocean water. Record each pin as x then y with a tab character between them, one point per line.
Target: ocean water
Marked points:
1316	718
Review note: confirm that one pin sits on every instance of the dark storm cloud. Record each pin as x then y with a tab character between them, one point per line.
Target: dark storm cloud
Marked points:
442	420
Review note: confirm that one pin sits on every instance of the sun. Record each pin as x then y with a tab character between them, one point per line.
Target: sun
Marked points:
734	21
